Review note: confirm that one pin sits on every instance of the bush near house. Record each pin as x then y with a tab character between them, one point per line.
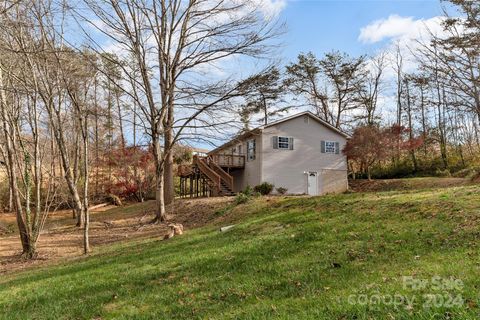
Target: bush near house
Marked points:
264	188
242	198
281	190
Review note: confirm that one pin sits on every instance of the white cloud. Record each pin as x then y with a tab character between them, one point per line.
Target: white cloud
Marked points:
396	27
406	33
272	8
393	26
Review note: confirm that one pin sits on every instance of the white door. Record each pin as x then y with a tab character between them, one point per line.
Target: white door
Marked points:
312	184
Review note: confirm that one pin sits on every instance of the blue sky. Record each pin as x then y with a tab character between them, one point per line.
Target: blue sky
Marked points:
356	27
321	26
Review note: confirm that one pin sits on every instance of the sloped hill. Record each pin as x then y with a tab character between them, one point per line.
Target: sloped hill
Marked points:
351	256
378	185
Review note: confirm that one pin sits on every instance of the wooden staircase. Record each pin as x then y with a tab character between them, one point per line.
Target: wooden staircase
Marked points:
219	181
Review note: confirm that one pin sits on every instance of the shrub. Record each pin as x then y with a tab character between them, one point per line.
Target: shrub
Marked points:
248	191
264	188
442	173
241	198
281	190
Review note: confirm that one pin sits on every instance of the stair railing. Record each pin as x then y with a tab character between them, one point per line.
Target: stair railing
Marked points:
228	179
206	170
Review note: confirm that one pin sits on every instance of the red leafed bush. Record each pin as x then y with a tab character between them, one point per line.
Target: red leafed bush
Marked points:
370	144
132	172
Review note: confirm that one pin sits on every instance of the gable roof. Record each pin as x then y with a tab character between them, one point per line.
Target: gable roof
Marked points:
326	124
259	129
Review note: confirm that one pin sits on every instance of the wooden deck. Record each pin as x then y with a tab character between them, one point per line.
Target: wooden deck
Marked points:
206	176
228	160
221	160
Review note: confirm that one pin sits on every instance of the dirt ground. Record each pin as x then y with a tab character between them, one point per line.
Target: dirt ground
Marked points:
61	239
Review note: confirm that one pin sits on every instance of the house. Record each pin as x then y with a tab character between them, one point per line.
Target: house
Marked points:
301	153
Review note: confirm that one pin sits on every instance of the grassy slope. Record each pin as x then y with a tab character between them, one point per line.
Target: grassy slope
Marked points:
276	263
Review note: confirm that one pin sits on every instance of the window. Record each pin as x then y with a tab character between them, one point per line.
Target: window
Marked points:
330	147
283	143
251	150
240	149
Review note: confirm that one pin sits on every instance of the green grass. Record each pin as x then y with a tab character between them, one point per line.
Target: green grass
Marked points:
292	258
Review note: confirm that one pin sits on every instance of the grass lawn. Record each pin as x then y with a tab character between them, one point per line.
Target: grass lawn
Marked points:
332	257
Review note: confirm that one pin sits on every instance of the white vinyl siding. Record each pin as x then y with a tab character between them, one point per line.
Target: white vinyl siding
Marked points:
288	168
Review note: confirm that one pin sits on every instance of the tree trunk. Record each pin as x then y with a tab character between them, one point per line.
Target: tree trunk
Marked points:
168	175
120	118
169	194
78	214
86	218
97	158
424	124
9	145
10	199
410	127
160	213
54	116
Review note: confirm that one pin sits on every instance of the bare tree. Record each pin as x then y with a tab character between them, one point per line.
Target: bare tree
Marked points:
172	43
370	88
23	146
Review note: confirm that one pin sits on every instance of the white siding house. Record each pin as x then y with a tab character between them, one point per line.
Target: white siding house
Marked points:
301	153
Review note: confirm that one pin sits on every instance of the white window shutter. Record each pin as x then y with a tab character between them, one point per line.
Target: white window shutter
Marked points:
275	142
290	143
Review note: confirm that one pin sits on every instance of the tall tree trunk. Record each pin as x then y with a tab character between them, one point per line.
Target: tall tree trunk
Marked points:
9	146
110	132
76	174
441	102
410	126
160	213
10	199
135	169
86	240
169	187
55	120
97	158
424	124
441	126
120	118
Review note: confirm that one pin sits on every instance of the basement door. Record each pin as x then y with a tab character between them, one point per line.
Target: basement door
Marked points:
312	183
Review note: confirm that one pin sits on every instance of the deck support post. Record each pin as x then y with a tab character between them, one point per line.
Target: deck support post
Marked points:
191	186
196	185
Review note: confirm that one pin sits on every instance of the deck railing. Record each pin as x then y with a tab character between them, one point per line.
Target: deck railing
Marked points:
229	160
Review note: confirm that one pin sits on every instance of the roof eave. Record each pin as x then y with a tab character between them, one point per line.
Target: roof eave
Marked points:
237	139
